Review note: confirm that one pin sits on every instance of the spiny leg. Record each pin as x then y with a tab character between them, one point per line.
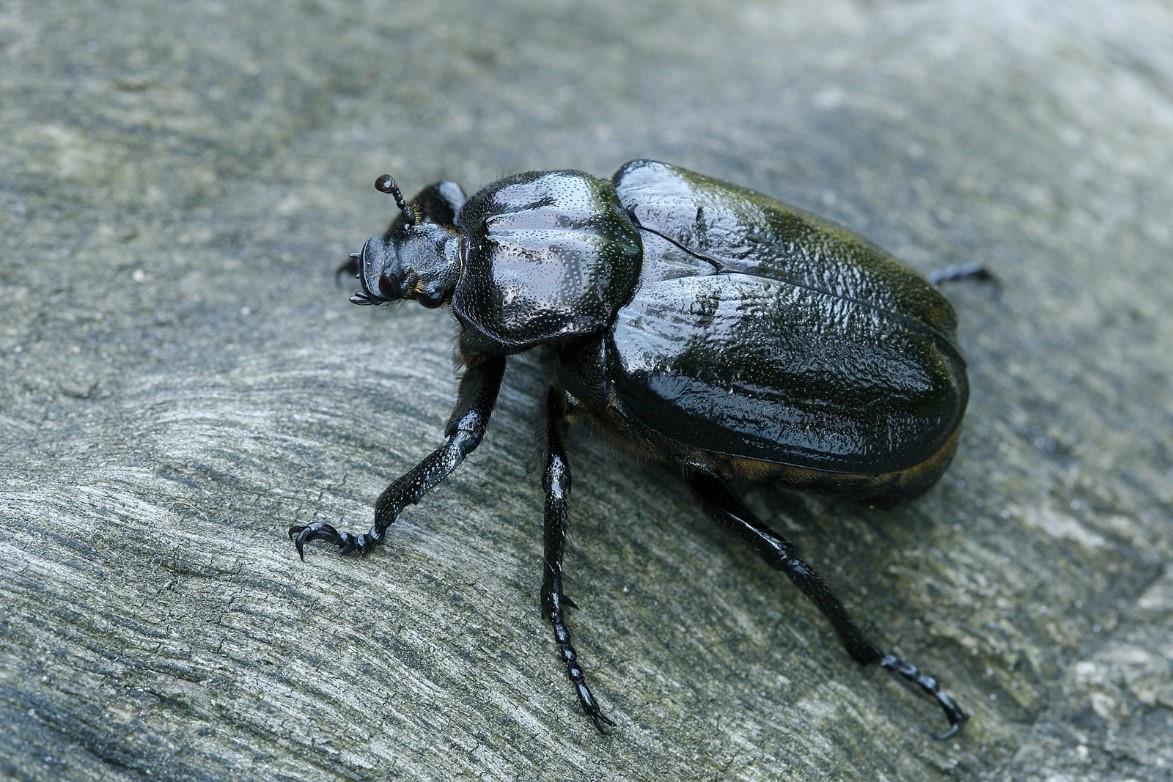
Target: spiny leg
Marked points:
350	267
466	427
964	271
780	554
556	481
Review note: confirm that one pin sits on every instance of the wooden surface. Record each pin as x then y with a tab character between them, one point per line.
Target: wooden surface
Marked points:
180	381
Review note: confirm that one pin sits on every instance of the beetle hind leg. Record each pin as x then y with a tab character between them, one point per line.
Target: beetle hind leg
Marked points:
728	511
964	271
556	481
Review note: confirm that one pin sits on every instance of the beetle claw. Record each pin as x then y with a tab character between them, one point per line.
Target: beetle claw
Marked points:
602	721
929	686
347	542
953	730
318	530
591	707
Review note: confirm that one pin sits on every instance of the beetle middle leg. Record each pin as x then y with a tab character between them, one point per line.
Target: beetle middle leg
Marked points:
556	482
716	498
466	427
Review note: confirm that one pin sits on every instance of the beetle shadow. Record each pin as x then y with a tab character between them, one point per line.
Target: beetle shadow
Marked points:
836	533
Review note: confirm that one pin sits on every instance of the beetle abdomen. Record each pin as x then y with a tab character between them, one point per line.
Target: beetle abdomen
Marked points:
757	368
548	256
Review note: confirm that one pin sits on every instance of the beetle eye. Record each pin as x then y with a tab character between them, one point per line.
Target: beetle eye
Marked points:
388	288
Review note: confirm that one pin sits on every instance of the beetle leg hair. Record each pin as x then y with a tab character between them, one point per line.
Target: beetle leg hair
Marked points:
556	481
466	427
728	511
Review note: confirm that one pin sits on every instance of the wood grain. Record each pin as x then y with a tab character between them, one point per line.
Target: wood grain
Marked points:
180	381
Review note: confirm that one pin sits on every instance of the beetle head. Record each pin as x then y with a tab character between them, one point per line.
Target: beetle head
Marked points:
414	259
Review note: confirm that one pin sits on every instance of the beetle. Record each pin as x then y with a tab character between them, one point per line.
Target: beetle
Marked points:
700	322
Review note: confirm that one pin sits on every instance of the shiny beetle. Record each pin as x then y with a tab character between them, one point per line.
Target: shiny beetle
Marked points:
701	323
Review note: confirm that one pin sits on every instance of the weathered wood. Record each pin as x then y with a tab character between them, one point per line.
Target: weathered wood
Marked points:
180	382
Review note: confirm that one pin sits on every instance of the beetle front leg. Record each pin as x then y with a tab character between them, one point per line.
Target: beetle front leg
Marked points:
556	481
466	427
779	553
350	267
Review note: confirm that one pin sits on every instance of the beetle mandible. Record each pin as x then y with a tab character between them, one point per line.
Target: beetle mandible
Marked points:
704	324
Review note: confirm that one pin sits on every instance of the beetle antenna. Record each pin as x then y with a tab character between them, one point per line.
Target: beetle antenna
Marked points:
386	184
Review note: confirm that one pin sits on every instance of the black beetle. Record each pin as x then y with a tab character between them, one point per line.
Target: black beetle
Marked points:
701	323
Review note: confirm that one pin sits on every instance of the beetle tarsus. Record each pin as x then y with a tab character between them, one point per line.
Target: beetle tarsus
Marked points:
552	609
347	542
929	686
965	271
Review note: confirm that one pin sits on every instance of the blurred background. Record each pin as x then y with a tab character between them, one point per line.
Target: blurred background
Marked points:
180	380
